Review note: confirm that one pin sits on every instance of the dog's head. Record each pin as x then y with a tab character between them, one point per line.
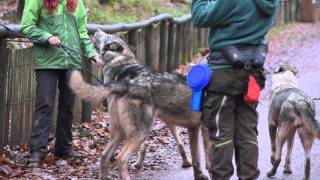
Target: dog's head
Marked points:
111	46
284	76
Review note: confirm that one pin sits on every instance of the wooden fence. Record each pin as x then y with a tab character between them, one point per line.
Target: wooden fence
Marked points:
161	42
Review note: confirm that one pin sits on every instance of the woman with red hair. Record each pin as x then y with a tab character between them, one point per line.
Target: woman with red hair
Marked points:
56	22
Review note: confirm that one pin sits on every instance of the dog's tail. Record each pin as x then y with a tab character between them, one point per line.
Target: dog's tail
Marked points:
315	127
86	91
311	124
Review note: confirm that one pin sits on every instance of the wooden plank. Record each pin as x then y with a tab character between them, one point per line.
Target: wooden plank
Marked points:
133	41
171	46
164	37
13	101
189	32
153	46
20	101
195	41
189	35
142	46
178	50
184	42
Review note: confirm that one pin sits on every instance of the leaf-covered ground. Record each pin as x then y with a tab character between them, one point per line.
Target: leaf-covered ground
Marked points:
89	140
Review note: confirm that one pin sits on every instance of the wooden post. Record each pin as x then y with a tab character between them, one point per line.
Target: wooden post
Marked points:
308	11
4	54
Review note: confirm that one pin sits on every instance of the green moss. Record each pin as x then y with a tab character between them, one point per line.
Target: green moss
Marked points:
129	11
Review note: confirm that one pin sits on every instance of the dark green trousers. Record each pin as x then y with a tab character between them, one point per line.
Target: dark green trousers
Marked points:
47	82
232	124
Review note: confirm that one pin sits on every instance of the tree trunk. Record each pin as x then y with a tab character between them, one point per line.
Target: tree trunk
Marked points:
103	1
20	8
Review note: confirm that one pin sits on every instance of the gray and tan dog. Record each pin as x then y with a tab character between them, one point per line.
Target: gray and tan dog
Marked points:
290	110
136	97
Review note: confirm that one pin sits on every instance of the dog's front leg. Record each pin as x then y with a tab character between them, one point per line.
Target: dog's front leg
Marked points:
130	145
194	148
273	133
142	154
185	160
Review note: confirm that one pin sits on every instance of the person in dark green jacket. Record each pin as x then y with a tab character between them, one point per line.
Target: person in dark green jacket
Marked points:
237	50
55	22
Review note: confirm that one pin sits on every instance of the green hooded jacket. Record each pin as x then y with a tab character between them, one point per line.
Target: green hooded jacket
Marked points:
69	27
234	22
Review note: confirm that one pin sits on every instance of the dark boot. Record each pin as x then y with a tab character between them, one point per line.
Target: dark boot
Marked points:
68	155
36	157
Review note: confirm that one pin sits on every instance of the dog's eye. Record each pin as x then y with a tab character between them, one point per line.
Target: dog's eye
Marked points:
113	47
279	70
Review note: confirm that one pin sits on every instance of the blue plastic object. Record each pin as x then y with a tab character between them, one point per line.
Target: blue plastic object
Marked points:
198	78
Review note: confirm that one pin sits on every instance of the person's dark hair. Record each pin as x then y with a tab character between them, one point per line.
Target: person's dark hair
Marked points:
52	5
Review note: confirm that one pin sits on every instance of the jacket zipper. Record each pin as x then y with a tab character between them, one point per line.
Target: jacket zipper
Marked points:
65	32
218	115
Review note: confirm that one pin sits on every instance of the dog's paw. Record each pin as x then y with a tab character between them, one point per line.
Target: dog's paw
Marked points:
103	175
271	173
287	170
187	163
136	165
201	177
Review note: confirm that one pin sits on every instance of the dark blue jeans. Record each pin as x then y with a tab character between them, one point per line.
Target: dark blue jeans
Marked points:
47	82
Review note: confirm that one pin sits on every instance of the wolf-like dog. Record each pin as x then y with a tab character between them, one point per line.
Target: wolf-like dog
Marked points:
136	97
290	110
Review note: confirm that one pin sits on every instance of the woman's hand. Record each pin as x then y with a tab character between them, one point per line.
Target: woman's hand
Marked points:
55	41
97	61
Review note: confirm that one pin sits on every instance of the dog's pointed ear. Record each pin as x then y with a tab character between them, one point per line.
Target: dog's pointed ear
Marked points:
294	70
101	32
99	39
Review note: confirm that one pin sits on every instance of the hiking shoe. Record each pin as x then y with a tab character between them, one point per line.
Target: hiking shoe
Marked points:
69	155
36	157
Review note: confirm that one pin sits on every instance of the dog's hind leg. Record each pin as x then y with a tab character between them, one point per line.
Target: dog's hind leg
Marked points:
142	154
307	140
185	160
281	138
194	148
107	154
131	144
287	166
273	133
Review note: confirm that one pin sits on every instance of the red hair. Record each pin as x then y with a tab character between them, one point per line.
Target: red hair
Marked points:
52	5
